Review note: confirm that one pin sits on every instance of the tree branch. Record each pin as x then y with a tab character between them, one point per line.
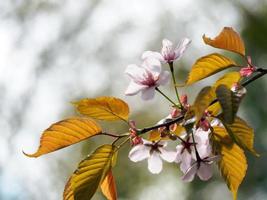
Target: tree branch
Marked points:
261	73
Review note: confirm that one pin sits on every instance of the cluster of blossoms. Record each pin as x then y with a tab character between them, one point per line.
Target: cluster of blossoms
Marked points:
194	152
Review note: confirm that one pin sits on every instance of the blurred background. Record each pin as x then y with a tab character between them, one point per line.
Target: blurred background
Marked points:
53	52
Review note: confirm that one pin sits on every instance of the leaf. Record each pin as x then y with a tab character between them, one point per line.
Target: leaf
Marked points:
229	103
104	108
242	134
215	108
68	192
207	66
228	79
228	39
65	133
108	187
91	172
233	163
203	100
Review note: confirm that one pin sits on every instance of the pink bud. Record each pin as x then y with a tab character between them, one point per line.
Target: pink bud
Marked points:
173	127
184	99
204	124
136	140
247	71
175	113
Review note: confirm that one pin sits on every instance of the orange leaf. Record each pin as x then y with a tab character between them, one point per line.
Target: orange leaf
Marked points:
104	108
108	187
66	133
228	39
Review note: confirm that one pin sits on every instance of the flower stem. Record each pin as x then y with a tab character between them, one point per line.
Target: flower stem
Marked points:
174	84
157	89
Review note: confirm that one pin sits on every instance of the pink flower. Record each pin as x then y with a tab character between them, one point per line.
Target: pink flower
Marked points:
202	168
154	152
146	78
249	69
168	52
186	152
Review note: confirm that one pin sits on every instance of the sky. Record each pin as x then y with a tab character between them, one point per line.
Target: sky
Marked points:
54	52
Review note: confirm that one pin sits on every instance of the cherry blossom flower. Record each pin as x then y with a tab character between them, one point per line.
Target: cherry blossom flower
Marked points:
186	151
154	152
202	168
168	52
146	78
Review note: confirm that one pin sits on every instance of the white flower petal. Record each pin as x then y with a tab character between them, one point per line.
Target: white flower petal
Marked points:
148	93
201	137
135	72
203	151
139	152
164	78
166	44
152	54
205	171
134	88
153	66
186	160
168	156
154	163
190	173
163	143
182	46
179	149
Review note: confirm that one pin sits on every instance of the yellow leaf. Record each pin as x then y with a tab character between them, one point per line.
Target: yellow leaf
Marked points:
228	79
108	187
228	39
207	66
104	108
65	133
91	172
215	108
242	134
233	163
154	135
179	130
203	100
68	192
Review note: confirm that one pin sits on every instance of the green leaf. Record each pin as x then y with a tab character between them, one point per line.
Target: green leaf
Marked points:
229	103
207	66
90	173
242	134
203	100
233	163
104	108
